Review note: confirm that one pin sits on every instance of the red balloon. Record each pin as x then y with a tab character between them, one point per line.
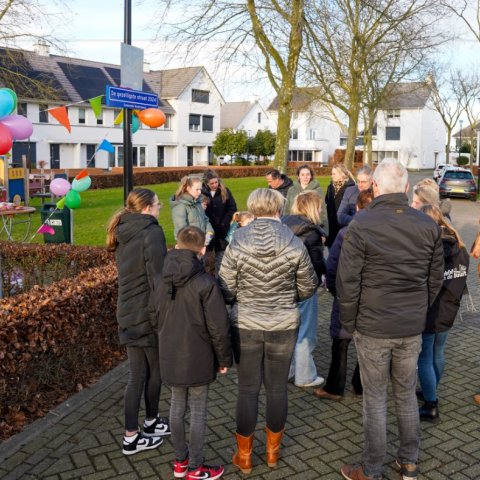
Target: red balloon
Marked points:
6	140
152	117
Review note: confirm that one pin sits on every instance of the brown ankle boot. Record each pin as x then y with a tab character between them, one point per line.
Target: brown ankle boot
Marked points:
273	447
243	456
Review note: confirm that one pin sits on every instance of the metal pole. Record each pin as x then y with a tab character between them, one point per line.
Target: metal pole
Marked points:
127	116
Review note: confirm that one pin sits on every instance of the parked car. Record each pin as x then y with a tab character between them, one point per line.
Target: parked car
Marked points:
458	182
438	171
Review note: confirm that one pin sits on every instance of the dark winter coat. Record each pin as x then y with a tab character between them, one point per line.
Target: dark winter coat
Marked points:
311	236
284	187
347	208
390	269
333	201
220	215
265	271
336	328
139	255
193	329
188	211
442	313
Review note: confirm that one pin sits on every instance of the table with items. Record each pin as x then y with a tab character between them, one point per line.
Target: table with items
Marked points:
10	214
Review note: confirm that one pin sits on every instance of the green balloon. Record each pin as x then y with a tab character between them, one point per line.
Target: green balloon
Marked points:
72	199
14	96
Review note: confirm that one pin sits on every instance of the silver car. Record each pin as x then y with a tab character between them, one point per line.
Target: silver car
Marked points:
458	182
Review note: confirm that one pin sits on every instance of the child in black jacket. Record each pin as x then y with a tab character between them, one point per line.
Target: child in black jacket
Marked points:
194	343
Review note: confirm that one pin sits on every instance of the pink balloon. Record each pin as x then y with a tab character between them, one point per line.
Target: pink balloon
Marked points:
59	186
19	126
6	139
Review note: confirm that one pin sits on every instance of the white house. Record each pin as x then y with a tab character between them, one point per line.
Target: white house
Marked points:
247	116
187	96
409	128
314	134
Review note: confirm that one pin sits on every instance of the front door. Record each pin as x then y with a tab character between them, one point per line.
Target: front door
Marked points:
55	155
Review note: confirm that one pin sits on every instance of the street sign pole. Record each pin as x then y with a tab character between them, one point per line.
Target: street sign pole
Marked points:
127	116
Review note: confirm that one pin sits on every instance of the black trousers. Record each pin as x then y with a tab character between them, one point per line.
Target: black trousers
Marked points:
337	375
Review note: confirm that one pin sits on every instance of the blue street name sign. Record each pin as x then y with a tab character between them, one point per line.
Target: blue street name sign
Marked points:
133	99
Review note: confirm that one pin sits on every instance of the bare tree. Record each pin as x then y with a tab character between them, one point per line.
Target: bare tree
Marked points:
270	30
468	11
357	49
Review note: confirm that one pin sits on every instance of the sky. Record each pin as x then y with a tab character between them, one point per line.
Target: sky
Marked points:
94	30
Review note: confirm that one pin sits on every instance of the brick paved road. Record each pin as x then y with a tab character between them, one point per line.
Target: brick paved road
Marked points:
82	438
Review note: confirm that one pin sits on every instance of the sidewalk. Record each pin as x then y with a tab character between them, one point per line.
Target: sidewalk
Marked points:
81	439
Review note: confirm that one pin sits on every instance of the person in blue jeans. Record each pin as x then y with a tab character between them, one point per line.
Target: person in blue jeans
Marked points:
441	315
194	343
389	273
304	222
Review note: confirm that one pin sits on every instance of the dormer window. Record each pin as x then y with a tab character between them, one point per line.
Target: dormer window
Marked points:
200	96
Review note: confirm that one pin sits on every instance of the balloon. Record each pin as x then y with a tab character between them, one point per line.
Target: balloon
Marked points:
82	184
7	103
6	139
72	199
59	186
135	123
19	126
152	117
14	96
61	203
82	174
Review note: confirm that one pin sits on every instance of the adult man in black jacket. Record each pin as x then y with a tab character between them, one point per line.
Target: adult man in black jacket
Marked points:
390	271
278	181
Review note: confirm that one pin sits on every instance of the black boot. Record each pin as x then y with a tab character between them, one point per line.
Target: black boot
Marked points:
429	411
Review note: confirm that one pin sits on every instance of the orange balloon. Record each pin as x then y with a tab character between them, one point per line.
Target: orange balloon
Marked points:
152	117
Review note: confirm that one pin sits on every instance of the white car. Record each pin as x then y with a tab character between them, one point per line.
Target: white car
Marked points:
437	173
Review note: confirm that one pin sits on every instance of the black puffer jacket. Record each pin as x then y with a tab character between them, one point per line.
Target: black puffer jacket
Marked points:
193	329
139	255
285	186
266	270
390	269
442	313
220	215
311	236
333	201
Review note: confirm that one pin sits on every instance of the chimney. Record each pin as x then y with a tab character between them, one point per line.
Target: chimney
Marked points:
146	67
42	48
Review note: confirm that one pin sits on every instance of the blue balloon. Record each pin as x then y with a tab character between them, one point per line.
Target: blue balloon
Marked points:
7	103
82	184
135	123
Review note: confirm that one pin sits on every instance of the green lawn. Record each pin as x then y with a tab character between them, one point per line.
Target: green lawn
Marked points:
91	218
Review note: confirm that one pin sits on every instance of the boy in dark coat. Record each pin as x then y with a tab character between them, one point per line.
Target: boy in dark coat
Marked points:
194	343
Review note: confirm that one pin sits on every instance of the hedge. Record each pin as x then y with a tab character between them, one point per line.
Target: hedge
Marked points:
56	339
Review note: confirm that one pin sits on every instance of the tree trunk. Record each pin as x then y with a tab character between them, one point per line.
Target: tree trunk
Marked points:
447	146
282	140
352	135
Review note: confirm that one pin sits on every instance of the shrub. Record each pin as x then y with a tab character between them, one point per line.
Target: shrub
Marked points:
463	160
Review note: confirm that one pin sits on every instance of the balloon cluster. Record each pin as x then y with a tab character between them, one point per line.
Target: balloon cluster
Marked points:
151	117
70	193
12	127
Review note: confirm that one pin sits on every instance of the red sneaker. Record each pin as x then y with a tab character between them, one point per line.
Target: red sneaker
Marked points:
206	472
180	468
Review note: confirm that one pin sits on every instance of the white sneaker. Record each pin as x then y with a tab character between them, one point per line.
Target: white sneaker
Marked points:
140	443
318	381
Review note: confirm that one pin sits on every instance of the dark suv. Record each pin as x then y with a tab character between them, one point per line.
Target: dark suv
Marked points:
458	183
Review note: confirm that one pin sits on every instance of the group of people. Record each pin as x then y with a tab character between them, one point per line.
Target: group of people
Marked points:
396	274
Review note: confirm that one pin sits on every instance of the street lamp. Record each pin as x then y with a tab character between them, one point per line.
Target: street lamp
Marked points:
460	146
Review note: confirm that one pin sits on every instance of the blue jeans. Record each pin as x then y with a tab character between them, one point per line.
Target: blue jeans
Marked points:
381	359
196	399
431	363
262	357
303	366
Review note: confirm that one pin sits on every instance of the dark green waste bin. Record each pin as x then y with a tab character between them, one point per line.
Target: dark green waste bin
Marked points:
59	220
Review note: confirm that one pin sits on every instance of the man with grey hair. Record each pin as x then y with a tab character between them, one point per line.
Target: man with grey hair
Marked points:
390	271
347	207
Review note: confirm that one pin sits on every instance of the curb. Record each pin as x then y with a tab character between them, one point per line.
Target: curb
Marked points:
15	443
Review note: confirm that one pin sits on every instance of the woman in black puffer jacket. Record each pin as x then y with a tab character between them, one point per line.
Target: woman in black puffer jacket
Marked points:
304	223
139	244
220	209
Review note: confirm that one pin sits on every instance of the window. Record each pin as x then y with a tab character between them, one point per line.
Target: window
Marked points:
138	156
160	156
312	134
100	119
377	157
393	113
200	96
207	123
259	117
168	122
194	122
294	134
43	113
90	154
81	115
22	109
392	133
189	156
